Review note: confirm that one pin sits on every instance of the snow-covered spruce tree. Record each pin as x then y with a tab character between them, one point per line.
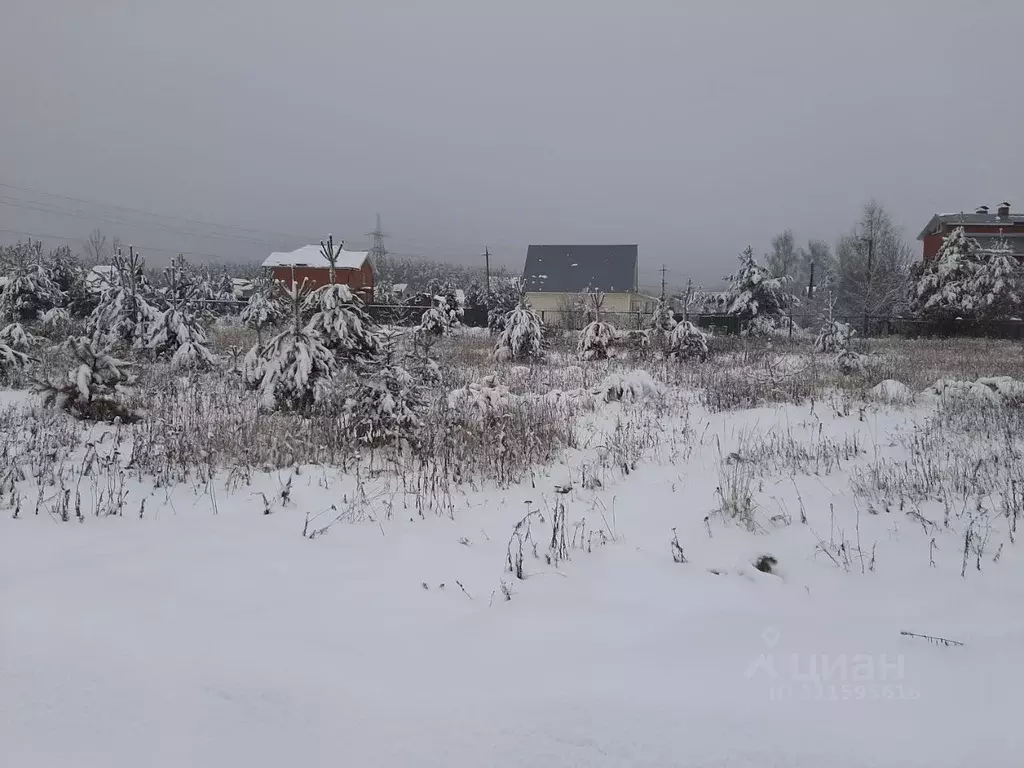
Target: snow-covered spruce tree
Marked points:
943	285
30	289
597	336
505	296
68	274
338	317
177	332
124	311
967	281
596	340
999	282
263	309
663	322
387	406
753	292
294	370
521	337
687	342
95	389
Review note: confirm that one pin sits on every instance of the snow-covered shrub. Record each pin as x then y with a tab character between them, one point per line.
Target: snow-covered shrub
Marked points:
520	340
687	342
753	291
834	337
295	369
596	340
177	331
760	327
95	389
969	282
388	405
850	362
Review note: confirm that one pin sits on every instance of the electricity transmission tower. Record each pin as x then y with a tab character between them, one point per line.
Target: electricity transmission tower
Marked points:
377	251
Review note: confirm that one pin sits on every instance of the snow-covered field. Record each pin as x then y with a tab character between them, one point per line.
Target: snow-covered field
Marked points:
313	615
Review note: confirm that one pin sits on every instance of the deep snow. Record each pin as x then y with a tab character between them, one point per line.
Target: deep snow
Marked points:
209	634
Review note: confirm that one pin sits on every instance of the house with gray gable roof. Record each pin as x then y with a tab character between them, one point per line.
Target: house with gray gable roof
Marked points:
557	277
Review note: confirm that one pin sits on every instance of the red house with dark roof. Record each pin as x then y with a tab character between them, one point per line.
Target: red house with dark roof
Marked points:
983	226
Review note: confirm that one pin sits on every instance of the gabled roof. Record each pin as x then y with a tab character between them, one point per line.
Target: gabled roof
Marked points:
970	219
311	256
581	268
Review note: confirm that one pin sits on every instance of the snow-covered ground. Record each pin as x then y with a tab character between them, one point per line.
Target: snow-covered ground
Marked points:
205	632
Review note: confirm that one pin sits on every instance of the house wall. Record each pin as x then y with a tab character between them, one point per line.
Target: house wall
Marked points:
361	281
550	305
932	243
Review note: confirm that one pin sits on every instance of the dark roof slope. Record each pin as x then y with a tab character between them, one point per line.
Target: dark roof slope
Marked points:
971	219
579	268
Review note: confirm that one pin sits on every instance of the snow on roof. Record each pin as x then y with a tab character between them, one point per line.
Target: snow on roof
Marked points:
311	256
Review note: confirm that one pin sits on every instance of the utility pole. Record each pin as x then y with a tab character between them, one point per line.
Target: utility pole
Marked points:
686	301
663	270
870	239
487	268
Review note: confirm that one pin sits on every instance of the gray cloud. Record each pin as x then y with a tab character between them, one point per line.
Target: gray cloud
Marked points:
690	128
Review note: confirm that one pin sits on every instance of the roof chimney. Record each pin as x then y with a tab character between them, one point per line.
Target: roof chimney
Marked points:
983	210
1004	210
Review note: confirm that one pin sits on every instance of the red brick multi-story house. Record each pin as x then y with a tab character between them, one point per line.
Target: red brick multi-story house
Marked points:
308	263
982	225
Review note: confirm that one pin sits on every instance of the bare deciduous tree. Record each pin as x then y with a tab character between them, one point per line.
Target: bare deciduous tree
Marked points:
782	261
872	266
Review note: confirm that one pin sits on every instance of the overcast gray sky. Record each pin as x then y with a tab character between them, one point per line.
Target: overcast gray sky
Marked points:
690	128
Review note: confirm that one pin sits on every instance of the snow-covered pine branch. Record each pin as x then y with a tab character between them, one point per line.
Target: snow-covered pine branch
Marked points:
339	321
95	389
14	344
521	338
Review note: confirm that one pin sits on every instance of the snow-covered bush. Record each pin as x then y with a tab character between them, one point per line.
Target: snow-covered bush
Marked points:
504	297
520	340
295	369
969	282
596	340
687	342
849	362
753	291
388	405
95	389
834	337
